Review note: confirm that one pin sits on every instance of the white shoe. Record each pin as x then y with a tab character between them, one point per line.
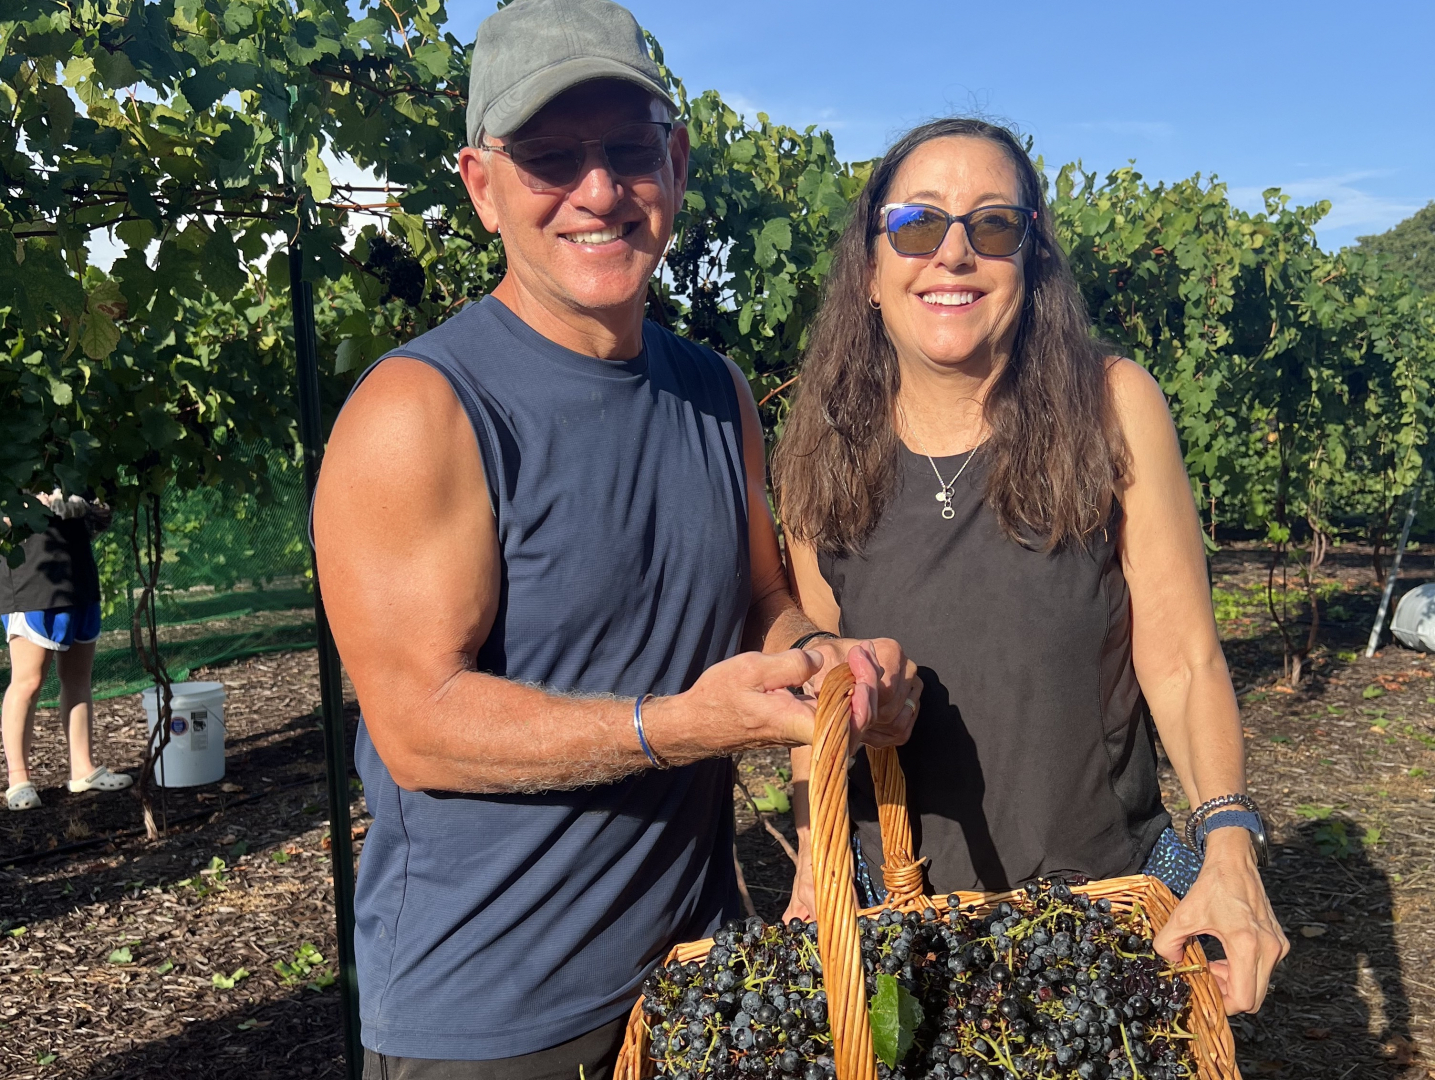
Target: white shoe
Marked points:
102	780
22	796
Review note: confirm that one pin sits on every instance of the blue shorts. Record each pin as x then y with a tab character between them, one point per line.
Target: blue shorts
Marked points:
56	629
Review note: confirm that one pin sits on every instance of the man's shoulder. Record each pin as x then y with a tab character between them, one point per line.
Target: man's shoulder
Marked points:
689	358
455	335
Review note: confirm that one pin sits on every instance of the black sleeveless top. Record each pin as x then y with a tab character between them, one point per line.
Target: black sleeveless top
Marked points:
1034	752
59	570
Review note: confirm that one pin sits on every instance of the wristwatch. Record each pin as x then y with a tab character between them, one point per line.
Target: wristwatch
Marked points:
1224	812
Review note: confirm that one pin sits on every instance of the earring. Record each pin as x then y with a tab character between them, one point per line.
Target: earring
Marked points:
875	305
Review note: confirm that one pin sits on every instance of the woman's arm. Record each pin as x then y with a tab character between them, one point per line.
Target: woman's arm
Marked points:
1183	675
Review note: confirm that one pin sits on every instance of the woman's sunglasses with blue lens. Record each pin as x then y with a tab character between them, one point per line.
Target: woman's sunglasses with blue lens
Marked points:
997	232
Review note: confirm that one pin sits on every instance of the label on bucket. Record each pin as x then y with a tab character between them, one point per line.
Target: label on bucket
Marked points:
179	725
199	738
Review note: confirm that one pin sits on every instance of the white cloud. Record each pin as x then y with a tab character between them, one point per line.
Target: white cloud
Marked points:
1353	210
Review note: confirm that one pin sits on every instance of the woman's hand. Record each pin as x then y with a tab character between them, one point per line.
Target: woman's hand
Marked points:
899	690
1229	902
803	902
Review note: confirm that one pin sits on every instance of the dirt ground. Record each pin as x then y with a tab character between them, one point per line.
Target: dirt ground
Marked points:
123	959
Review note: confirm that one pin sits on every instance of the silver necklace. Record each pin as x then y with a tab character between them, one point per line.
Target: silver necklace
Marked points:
945	495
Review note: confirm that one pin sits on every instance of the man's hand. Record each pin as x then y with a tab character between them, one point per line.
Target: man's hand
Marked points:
1229	902
740	703
898	688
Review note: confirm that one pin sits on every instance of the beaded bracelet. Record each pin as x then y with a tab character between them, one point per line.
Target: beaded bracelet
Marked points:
1198	815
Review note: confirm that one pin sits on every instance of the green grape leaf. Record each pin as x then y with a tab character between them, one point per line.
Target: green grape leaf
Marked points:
237	16
98	338
316	175
434	57
135	234
776	236
350	355
778	799
202	89
895	1016
222	270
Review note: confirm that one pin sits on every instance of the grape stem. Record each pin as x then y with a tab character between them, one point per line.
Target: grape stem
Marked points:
1126	1042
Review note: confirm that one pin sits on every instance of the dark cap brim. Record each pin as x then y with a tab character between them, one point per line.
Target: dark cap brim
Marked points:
520	104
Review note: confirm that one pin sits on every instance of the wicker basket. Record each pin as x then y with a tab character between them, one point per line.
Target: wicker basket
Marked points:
837	936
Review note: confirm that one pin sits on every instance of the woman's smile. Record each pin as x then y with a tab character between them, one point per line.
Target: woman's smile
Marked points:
951	300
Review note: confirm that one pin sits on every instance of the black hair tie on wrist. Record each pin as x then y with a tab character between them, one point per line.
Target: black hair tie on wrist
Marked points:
805	638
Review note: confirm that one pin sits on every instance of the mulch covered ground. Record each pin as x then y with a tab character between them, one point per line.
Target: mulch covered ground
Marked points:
120	958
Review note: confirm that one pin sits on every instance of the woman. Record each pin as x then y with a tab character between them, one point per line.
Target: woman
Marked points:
967	470
50	605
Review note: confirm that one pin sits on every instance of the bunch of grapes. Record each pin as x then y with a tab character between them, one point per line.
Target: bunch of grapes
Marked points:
1051	985
1057	985
754	1008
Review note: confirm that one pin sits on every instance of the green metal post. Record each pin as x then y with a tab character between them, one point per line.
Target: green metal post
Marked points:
331	685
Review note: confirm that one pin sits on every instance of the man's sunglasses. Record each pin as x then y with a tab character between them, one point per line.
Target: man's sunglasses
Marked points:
552	162
997	232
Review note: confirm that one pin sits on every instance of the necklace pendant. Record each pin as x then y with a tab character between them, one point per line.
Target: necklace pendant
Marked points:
943	496
947	512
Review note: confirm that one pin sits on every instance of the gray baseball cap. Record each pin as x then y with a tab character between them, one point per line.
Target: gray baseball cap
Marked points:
531	51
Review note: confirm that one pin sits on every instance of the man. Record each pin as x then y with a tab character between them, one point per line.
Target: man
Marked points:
529	519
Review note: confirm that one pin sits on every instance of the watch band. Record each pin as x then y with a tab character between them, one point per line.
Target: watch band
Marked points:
1241	819
1209	807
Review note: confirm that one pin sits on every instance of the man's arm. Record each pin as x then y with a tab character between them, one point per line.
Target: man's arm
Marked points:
408	555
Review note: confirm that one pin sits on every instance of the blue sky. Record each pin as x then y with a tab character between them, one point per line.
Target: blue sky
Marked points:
1325	100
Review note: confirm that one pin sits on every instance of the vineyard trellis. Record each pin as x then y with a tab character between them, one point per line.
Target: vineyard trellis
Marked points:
197	134
1300	379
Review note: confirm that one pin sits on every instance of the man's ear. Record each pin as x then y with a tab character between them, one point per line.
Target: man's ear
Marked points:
680	152
473	170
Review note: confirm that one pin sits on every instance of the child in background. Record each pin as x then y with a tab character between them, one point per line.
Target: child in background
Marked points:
53	601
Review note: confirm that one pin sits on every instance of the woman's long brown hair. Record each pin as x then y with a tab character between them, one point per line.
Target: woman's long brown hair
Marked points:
1054	450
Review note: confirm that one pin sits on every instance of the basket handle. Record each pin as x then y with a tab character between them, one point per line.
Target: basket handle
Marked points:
901	873
837	940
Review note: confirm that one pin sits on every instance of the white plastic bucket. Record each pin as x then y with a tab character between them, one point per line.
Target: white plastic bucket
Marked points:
1414	622
195	754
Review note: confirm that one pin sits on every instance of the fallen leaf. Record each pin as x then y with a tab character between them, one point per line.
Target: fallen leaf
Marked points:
232	789
1401	1051
1313	931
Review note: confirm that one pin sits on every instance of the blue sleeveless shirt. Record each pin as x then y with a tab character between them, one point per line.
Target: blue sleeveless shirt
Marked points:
490	926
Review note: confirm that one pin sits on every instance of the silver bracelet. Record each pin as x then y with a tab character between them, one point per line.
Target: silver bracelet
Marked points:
643	738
